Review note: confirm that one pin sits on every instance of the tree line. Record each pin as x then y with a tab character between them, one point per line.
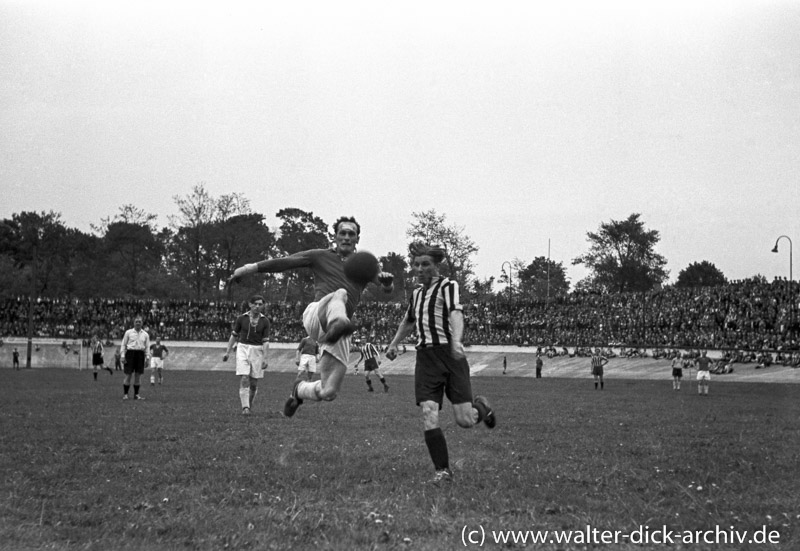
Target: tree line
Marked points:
129	255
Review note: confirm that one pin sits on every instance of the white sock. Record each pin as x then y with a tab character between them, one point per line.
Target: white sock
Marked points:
308	390
244	396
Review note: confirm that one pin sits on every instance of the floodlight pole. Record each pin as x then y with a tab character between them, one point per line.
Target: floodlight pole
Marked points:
791	298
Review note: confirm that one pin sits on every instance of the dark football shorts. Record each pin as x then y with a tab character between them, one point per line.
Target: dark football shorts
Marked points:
371	364
438	373
134	361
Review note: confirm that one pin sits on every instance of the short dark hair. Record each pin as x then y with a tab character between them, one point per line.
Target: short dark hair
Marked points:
350	219
418	248
254	298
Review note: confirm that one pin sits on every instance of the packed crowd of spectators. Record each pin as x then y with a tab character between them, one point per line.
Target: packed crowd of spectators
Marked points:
745	315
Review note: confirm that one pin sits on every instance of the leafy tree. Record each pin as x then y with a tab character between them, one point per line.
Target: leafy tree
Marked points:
431	227
622	256
543	278
36	241
236	240
482	289
191	247
127	255
300	231
700	274
132	253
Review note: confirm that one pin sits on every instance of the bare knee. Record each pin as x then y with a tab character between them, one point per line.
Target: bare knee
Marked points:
464	415
430	415
327	394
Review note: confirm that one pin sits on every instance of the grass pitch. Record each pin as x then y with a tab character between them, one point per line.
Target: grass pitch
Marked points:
81	469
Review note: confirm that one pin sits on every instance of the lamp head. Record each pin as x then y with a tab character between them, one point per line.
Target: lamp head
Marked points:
775	248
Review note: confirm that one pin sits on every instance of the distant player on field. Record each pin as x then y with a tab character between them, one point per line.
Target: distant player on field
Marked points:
434	311
251	331
598	363
372	360
327	319
97	356
677	372
305	357
703	364
158	353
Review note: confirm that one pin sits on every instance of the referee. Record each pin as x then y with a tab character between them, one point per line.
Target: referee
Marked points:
134	350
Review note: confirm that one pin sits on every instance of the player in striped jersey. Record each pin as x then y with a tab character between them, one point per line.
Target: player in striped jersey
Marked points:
372	359
97	356
434	311
598	361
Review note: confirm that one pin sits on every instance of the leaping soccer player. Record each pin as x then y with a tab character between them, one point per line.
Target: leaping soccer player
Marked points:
327	319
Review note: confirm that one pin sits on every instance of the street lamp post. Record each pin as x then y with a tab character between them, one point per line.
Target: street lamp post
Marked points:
509	277
791	298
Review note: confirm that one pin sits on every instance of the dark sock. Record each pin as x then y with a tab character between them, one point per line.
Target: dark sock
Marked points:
95	375
135	390
126	388
437	447
369	383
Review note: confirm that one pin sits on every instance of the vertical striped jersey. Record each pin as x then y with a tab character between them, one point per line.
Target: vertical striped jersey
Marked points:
599	361
368	351
429	309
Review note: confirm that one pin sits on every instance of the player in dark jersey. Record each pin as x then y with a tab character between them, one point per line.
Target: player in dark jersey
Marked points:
158	353
327	319
703	364
372	360
434	311
251	336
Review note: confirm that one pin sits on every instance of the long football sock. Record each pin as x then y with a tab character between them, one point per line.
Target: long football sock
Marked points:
307	390
437	448
244	396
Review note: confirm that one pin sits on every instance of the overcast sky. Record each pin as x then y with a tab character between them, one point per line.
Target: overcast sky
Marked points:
523	122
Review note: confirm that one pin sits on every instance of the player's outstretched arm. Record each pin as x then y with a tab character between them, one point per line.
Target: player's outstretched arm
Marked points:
271	265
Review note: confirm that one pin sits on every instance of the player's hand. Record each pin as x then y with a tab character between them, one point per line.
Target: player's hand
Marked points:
225	358
264	364
297	363
386	280
391	353
458	350
237	275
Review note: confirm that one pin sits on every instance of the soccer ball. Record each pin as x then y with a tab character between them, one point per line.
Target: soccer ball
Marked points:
361	267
